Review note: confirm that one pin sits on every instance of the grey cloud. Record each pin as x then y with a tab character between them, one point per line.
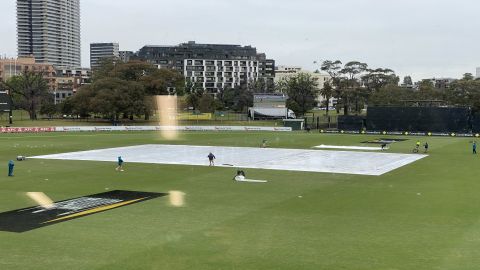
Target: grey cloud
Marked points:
423	38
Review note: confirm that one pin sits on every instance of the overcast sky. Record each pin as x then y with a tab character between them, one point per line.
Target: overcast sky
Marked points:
422	38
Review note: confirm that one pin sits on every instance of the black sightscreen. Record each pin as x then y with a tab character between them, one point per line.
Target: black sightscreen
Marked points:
351	122
421	119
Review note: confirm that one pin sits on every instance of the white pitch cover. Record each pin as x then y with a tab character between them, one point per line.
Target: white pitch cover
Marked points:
345	162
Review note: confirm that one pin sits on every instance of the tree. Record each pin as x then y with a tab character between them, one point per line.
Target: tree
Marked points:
227	97
126	89
49	108
468	77
80	103
241	97
327	92
407	81
426	86
262	86
29	90
375	80
132	71
164	82
194	94
66	107
302	91
113	96
391	95
465	92
206	103
350	84
332	68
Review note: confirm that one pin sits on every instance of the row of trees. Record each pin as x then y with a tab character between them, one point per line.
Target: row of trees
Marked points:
354	83
124	90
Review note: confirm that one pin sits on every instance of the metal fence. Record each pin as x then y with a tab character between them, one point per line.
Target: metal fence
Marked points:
321	121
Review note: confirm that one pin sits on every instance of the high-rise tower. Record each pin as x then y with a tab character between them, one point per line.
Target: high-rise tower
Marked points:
49	30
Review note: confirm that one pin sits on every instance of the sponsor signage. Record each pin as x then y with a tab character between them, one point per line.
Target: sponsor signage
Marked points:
178	128
401	133
27	219
26	129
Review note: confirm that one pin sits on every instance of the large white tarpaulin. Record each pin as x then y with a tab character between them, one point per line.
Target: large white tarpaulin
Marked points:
363	163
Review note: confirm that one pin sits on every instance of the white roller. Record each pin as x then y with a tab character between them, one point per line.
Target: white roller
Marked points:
349	147
251	181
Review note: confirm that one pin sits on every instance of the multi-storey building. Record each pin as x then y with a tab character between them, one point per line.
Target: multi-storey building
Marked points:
49	30
213	75
68	81
126	56
99	51
212	66
62	83
10	67
267	67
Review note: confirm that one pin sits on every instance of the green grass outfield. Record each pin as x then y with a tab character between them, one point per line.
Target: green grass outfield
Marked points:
422	216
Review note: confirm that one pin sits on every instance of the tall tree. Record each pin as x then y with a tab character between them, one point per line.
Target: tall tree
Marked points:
302	90
29	91
407	81
351	87
194	94
242	97
327	92
468	77
333	68
375	79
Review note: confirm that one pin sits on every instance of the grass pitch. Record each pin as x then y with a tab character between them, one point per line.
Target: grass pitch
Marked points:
422	216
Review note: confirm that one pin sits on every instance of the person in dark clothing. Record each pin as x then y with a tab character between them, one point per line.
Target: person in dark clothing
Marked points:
120	164
10	168
384	146
426	147
474	148
211	158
